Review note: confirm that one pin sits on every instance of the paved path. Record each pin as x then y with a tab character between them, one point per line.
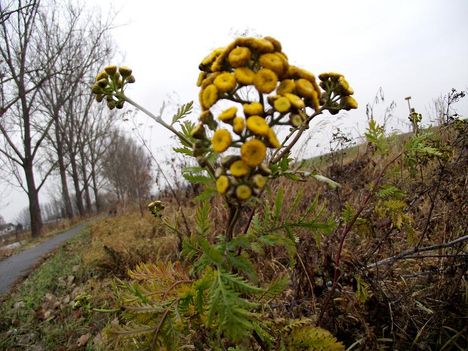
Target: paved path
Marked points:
19	265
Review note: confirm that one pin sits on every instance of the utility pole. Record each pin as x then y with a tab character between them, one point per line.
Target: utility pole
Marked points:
414	117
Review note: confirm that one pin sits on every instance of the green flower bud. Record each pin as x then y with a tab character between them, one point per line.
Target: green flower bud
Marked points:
295	120
103	83
111	70
201	161
102	75
125	71
228	160
198	132
130	79
99	97
120	104
111	104
219	172
96	89
264	169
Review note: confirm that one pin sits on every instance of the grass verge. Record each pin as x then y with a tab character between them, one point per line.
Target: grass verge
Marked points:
51	309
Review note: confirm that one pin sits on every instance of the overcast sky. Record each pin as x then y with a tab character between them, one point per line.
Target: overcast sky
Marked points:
417	48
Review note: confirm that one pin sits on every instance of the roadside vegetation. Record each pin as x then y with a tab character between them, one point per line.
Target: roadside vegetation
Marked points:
258	250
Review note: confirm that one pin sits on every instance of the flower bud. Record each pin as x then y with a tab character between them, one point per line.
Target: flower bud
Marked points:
295	120
228	160
102	83
111	70
120	104
219	172
96	89
198	132
125	71
111	104
264	169
130	79
102	75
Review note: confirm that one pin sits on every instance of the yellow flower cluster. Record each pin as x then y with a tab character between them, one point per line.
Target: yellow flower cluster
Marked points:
287	96
337	92
110	82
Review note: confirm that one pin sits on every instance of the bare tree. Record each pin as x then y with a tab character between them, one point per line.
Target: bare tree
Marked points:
88	46
127	167
23	70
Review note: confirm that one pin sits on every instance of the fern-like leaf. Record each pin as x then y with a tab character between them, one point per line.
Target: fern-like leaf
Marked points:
182	112
229	313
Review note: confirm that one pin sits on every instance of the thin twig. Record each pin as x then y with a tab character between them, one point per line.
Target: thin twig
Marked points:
158	328
411	253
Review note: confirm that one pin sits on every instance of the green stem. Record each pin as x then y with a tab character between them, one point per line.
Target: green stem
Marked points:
158	119
279	153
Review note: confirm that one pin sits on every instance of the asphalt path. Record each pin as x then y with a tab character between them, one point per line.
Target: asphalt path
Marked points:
21	264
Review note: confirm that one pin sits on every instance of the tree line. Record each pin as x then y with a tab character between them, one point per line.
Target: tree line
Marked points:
50	52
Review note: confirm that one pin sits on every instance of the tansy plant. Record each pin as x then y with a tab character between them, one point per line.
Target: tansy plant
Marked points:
248	94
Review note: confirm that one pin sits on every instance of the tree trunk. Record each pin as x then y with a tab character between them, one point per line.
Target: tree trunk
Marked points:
63	172
33	196
95	188
76	183
84	175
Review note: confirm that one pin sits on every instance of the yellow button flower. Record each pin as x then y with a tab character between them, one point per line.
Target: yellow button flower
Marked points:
225	82
222	184
263	45
254	108
208	60
349	103
272	139
239	168
265	80
228	114
239	57
238	125
295	100
286	86
282	104
259	181
343	87
274	62
201	78
221	140
208	96
243	192
244	75
304	87
315	101
258	125
253	152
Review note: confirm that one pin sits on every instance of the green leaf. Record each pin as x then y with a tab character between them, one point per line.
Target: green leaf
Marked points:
331	183
182	112
390	191
276	287
183	150
228	313
197	179
278	204
207	194
202	219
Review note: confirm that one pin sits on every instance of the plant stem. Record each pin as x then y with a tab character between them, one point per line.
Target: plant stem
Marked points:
158	119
